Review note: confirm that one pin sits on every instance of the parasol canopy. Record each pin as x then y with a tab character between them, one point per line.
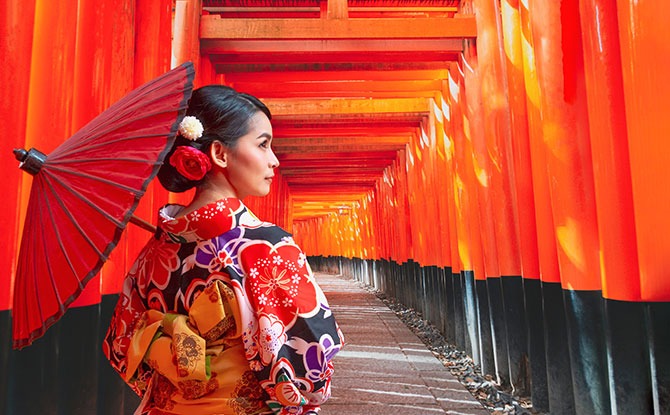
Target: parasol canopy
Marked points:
85	192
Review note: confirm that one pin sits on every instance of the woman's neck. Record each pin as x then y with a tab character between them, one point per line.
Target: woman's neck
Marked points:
207	193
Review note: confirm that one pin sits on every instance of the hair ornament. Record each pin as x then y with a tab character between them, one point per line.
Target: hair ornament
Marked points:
190	162
190	128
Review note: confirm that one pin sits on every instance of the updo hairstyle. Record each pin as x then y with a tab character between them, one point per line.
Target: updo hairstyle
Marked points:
224	114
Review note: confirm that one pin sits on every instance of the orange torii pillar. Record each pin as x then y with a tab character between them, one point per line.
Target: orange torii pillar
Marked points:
614	201
644	349
570	174
48	123
525	202
16	38
493	155
74	63
553	329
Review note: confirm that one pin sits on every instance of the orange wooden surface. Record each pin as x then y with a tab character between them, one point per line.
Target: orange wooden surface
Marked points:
524	201
440	115
88	67
186	36
50	93
460	252
495	151
645	64
215	27
479	239
16	36
565	140
481	171
118	80
466	203
152	28
546	241
609	143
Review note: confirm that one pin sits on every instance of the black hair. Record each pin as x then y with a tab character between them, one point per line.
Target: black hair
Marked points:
224	114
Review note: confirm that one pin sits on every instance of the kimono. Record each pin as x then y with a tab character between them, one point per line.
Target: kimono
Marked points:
220	314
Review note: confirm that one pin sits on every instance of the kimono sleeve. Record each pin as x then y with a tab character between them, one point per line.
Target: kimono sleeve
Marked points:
128	317
297	335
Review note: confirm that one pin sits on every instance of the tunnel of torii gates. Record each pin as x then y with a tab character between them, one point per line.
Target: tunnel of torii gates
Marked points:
498	165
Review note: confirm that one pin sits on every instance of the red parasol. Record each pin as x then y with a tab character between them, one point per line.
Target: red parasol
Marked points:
83	195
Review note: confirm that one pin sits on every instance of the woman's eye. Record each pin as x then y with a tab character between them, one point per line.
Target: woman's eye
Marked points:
265	144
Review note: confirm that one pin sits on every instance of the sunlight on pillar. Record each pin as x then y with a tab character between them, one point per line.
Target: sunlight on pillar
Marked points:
569	240
481	173
511	24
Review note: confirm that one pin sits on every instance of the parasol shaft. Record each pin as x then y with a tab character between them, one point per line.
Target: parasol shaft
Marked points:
142	224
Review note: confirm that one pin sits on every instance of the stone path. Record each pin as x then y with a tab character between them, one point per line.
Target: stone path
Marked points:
385	369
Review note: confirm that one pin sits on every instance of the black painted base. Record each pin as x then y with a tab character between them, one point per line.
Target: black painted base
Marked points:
488	364
532	291
517	334
65	371
499	324
459	311
559	373
470	315
587	355
5	348
588	351
657	316
628	348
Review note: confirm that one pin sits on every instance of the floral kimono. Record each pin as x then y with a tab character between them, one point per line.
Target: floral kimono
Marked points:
221	314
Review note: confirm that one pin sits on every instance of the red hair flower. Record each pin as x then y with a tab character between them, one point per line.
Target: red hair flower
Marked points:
190	162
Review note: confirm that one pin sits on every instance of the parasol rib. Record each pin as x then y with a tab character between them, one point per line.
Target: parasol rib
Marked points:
99	179
34	274
48	321
60	244
79	196
124	138
81	284
90	160
72	218
120	115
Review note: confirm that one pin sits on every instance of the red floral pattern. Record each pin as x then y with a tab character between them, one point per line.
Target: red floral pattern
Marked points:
278	281
155	264
128	312
205	223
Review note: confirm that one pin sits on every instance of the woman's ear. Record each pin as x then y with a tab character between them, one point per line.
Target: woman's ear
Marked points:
219	154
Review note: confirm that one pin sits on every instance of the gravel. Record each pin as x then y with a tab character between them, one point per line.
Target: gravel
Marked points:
482	386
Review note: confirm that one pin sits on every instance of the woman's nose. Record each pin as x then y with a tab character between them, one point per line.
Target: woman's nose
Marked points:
274	161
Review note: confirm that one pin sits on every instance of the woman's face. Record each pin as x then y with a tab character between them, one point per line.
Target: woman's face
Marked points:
251	163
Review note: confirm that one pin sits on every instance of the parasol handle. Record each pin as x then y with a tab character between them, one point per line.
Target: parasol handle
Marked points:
142	224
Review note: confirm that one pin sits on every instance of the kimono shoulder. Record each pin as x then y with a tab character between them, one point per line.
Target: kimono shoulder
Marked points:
267	232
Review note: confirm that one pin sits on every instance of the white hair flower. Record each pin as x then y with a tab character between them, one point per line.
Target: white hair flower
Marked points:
190	128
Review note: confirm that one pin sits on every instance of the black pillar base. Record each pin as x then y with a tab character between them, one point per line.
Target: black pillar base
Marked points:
532	289
559	373
588	352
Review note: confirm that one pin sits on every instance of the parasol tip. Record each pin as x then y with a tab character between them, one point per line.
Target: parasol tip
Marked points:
31	160
20	154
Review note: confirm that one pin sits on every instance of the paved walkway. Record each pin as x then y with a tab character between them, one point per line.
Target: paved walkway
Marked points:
384	368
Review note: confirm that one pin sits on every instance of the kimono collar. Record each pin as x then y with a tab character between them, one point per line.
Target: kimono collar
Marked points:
204	223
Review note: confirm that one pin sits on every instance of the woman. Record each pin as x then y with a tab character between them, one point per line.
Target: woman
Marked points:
220	313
